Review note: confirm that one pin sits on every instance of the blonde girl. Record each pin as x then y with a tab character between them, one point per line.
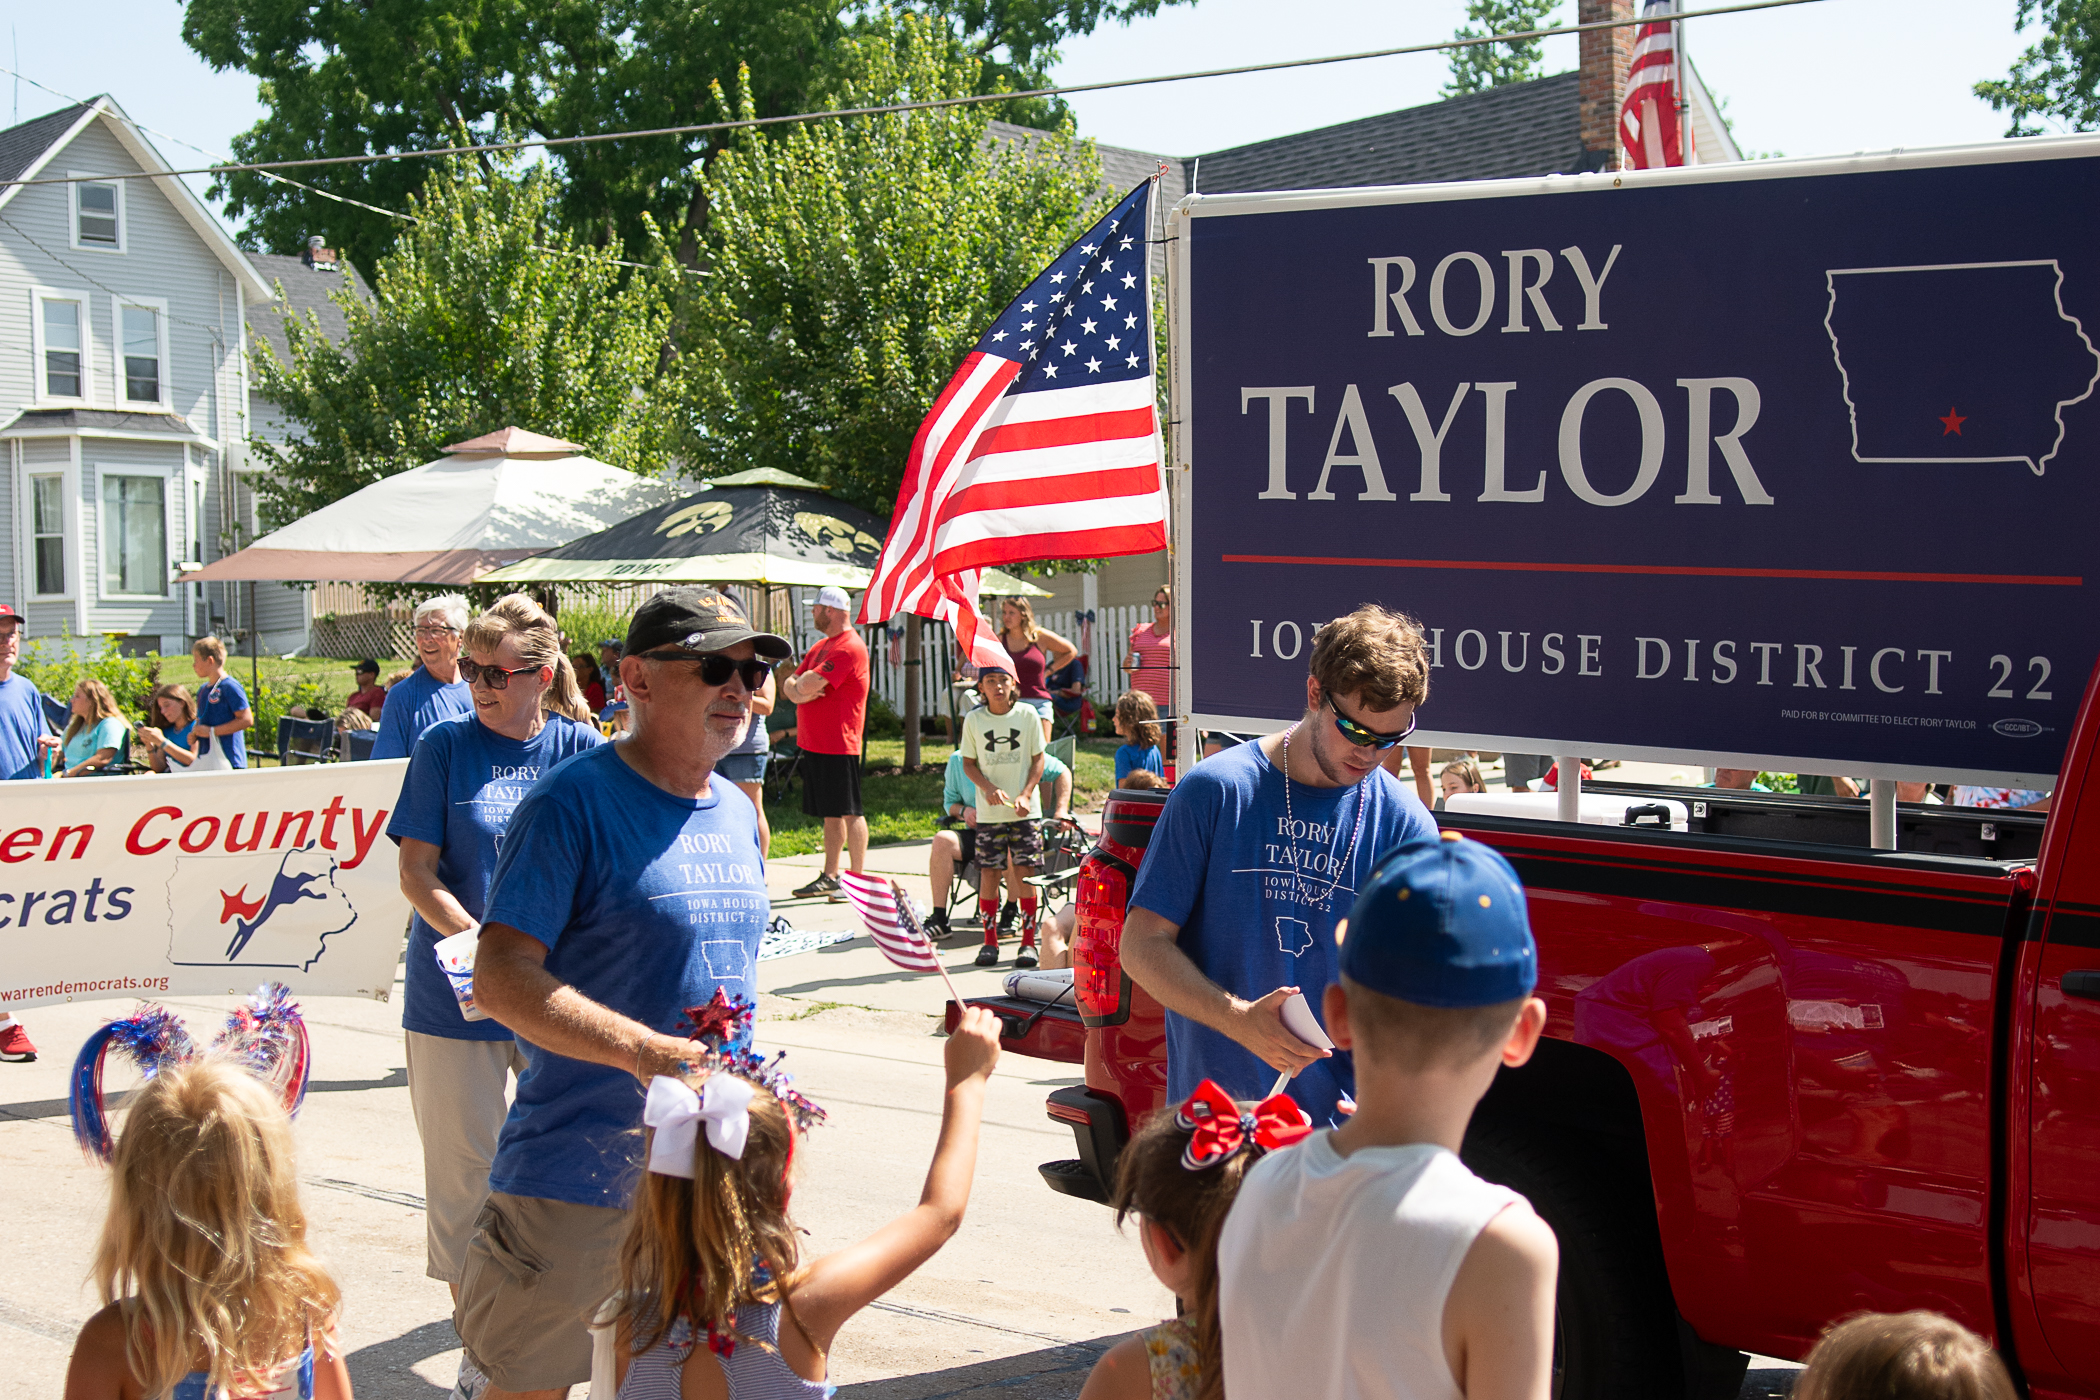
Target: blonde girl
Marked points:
203	1266
710	1273
1903	1356
1137	724
1179	1177
97	736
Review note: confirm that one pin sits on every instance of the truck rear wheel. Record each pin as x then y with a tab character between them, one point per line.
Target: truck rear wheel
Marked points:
1615	1332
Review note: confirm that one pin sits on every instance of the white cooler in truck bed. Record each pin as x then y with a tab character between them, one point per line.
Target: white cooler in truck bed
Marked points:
1598	808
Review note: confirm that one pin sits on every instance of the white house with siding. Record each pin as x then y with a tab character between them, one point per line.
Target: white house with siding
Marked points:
123	386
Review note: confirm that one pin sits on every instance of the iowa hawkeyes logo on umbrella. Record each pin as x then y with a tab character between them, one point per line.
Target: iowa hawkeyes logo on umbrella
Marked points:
830	532
703	519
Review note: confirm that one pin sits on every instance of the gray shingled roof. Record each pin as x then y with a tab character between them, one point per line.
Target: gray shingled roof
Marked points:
66	420
1532	128
304	290
21	145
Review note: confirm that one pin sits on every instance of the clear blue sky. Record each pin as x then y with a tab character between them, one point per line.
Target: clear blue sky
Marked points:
1841	75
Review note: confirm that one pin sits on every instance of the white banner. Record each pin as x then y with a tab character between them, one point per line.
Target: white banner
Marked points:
200	884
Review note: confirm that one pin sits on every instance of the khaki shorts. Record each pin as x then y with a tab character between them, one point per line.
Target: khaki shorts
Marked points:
456	1089
535	1274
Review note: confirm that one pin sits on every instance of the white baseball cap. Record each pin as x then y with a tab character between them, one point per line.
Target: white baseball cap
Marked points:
834	597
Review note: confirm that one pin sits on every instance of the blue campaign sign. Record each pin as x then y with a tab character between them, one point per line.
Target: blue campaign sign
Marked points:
1796	463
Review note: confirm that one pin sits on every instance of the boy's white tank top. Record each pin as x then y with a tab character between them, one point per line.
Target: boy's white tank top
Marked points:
1333	1270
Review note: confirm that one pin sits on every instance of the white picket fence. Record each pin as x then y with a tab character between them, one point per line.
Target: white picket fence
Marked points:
1105	640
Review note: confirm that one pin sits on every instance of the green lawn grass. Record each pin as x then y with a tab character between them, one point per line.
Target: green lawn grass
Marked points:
903	806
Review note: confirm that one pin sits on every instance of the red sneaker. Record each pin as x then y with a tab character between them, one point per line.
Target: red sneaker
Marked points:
15	1044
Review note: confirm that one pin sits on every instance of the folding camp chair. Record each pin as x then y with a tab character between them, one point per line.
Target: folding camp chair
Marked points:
304	740
1065	844
357	744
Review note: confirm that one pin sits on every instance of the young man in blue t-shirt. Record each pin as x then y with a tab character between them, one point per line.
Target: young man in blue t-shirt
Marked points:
630	887
1248	869
223	713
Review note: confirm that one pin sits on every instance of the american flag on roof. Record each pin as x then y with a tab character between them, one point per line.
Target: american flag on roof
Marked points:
1044	445
1649	120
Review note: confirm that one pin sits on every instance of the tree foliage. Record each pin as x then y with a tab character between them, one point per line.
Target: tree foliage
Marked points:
2057	81
853	264
487	315
1480	67
349	77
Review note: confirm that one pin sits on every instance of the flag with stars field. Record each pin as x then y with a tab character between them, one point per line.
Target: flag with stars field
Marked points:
1044	445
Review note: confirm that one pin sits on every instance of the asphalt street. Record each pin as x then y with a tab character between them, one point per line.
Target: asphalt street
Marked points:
1033	1288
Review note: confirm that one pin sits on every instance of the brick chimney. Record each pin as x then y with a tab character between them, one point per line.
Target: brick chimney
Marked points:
1607	54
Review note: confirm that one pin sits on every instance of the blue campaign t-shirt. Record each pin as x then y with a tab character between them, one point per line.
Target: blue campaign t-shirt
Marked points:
21	721
412	706
464	781
647	903
217	704
1257	898
1131	757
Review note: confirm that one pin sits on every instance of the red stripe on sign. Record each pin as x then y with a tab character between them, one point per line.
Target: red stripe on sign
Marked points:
1065	432
1052	491
1674	570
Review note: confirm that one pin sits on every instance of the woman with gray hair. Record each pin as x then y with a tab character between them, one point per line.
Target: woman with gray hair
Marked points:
433	691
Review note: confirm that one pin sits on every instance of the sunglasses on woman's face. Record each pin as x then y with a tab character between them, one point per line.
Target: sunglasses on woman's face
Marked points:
1365	738
714	668
494	677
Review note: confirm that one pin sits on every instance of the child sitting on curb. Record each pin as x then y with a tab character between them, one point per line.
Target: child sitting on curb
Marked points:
1368	1260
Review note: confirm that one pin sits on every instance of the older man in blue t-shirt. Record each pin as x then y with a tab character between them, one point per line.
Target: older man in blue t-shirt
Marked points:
433	692
1259	850
630	887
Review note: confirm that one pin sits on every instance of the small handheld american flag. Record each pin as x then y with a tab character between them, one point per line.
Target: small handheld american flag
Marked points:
887	913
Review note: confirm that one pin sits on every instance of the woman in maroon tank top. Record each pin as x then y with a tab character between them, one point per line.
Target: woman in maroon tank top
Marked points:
1035	654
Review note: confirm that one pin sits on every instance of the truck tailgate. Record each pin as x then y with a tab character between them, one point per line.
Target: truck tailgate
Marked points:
1047	1032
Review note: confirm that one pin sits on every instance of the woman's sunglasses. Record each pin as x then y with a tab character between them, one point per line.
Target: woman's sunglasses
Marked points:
1368	738
715	669
494	677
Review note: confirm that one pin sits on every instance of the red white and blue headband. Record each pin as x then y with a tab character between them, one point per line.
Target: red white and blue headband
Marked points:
265	1033
1218	1128
722	1103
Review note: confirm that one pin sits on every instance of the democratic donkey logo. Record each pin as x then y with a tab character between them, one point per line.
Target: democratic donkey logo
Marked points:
274	909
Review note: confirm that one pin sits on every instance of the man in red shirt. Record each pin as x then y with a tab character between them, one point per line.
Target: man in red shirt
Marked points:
830	693
368	696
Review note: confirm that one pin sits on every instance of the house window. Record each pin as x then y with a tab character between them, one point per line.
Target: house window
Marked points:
47	511
64	350
96	211
141	353
134	531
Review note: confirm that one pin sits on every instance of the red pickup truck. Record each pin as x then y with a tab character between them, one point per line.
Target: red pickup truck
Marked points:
1787	1077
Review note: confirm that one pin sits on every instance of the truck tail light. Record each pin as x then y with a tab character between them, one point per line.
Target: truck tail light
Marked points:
1100	989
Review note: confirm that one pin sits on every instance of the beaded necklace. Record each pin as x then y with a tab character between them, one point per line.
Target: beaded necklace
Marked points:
1305	891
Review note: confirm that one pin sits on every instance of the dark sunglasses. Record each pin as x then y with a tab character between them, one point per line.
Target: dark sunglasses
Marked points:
714	668
494	677
1364	738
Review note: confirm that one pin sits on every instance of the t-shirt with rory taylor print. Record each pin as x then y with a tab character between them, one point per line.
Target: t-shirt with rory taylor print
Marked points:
1256	895
647	904
464	782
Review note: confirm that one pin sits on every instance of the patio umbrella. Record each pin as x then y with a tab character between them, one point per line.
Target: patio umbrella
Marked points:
758	527
488	502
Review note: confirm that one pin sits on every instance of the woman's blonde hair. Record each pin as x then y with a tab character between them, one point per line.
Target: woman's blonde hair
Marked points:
538	643
102	702
1903	1356
205	1238
354	718
1191	1206
180	694
700	1249
1027	612
1136	712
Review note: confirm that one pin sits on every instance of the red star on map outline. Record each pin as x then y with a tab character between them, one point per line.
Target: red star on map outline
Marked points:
1953	421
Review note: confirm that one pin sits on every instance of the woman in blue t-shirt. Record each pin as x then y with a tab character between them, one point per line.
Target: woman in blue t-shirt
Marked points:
168	743
464	779
97	736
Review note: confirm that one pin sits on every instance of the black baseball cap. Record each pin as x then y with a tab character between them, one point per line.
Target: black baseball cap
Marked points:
368	664
698	619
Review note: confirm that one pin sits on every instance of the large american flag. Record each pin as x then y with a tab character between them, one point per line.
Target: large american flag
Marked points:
1045	443
1649	128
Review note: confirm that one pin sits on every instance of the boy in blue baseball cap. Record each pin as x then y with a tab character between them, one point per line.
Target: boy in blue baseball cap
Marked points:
1367	1260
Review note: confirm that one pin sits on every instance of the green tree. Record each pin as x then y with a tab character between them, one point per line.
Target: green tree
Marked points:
1479	67
854	263
487	314
348	78
2057	81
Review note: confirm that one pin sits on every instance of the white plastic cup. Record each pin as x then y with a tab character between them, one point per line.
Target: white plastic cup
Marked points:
455	958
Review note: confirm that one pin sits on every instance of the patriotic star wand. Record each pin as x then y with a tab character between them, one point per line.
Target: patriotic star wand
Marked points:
886	912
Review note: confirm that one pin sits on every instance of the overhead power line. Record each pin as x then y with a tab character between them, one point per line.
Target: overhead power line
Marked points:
931	104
